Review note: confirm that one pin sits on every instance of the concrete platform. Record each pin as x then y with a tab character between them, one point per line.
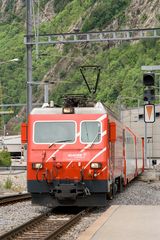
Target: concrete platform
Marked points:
136	222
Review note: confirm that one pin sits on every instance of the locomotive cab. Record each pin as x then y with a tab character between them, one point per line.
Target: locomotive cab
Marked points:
79	158
68	157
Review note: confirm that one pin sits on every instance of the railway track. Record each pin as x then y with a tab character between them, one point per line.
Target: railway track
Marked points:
14	198
46	226
15	168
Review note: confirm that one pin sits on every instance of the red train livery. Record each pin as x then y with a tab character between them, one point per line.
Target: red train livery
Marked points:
79	156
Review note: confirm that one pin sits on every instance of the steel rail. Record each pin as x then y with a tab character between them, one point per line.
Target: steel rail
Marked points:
11	168
40	228
65	226
14	198
19	230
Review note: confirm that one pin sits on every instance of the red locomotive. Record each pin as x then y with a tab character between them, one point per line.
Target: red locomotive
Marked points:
79	154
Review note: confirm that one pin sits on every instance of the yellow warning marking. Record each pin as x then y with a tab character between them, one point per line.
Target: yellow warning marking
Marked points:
149	110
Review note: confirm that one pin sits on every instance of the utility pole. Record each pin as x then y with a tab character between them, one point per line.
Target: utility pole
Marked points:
1	122
145	145
149	109
29	56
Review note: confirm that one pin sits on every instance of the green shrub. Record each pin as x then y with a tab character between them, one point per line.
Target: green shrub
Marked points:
104	13
144	18
8	183
59	5
5	158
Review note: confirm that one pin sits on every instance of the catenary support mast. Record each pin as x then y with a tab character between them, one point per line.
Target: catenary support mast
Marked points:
29	56
91	37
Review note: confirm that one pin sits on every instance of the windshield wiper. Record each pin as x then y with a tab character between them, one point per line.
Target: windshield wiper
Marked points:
94	139
60	141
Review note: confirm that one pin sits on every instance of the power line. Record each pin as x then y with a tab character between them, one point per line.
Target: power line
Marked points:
19	104
40	8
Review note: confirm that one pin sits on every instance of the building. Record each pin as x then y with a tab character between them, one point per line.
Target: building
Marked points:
134	119
12	144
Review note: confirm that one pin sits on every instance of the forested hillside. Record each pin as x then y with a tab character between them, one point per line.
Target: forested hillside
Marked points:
120	61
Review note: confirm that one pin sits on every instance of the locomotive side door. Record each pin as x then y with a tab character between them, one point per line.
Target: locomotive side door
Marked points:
112	140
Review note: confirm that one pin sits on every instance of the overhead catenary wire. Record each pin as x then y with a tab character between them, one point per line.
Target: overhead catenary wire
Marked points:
40	8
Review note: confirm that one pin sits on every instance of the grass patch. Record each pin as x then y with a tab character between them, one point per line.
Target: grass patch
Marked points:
8	183
5	159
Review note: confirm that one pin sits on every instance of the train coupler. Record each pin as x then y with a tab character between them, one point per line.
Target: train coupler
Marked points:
70	191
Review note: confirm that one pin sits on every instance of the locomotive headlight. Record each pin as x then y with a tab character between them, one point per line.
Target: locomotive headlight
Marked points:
68	110
37	165
96	165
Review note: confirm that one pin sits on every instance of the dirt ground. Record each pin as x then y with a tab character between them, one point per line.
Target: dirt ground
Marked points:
12	182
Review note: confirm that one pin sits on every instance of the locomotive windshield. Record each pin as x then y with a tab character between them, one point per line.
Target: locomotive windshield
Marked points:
90	132
54	132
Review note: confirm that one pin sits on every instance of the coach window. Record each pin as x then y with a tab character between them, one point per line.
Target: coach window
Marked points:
54	132
90	132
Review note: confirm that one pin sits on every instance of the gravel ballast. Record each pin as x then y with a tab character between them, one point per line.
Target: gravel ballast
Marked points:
137	193
11	216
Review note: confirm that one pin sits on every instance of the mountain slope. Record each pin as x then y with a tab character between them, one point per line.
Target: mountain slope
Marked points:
121	62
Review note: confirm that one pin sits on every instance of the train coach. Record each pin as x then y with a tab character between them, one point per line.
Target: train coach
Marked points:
79	154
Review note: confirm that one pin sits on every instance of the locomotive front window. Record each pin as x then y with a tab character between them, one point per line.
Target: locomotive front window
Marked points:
90	132
54	132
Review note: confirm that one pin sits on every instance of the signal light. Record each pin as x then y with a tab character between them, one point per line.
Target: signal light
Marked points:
149	95
148	79
149	91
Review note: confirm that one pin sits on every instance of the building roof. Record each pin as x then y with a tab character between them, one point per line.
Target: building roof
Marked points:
11	140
